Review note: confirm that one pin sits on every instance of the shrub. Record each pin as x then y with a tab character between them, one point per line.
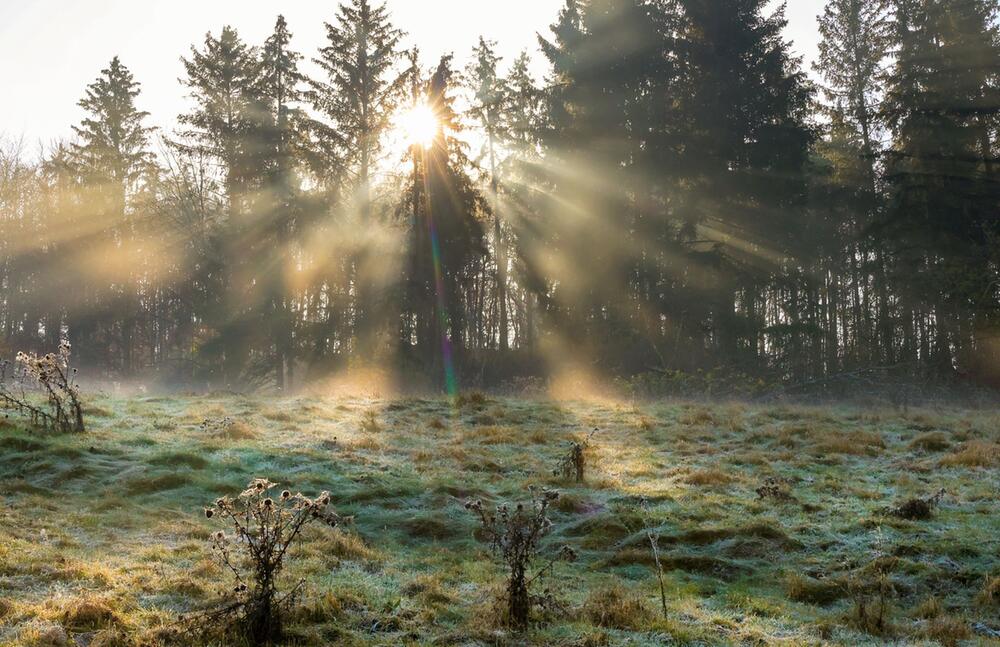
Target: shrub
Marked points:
263	528
515	535
51	376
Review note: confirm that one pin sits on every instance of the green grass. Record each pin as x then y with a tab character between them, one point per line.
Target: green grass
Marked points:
102	535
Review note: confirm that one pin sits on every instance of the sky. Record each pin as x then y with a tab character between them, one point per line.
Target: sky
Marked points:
52	49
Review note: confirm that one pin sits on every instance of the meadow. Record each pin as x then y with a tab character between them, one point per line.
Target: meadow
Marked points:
776	524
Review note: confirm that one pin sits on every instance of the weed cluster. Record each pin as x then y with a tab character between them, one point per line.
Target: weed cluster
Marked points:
51	376
515	535
262	529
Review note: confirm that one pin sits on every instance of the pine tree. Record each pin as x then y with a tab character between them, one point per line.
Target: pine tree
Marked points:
448	236
223	79
941	220
743	109
113	159
857	37
280	132
489	103
359	97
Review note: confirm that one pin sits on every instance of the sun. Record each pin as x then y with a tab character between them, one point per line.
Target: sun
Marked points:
419	125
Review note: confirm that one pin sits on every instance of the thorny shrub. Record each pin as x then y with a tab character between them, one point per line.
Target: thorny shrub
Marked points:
573	463
515	535
262	529
53	378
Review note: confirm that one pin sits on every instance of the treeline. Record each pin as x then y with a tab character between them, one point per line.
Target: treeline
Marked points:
674	194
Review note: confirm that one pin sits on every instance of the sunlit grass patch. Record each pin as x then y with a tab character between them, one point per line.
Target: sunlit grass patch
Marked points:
120	513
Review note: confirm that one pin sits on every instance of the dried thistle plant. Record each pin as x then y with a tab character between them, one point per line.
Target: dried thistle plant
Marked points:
573	464
262	528
50	376
515	535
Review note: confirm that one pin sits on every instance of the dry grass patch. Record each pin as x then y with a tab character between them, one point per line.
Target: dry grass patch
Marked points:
934	441
812	591
236	430
88	613
975	453
947	631
990	593
708	477
697	417
852	443
616	608
496	435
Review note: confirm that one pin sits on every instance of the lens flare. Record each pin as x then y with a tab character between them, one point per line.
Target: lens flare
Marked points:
419	125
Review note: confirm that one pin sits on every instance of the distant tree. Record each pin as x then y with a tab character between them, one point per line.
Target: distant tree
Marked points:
113	157
744	105
222	79
942	218
490	97
280	130
856	43
447	235
363	88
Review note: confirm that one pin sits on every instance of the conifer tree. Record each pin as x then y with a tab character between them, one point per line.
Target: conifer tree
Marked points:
363	88
448	236
941	220
113	158
223	79
282	124
489	104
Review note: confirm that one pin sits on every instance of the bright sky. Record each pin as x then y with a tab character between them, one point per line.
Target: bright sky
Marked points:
51	49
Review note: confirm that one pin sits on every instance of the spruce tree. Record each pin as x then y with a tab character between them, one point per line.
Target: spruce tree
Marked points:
489	104
448	235
113	159
359	97
941	220
281	128
223	79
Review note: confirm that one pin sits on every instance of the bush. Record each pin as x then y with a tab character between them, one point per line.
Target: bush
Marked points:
263	529
515	536
50	376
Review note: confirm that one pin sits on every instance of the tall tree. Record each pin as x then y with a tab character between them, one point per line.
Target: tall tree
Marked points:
489	104
359	97
448	236
941	221
222	79
281	127
857	38
113	158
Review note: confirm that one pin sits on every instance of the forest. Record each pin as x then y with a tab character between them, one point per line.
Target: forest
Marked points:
653	335
675	194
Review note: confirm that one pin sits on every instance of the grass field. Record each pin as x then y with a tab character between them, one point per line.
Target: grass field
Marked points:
103	540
